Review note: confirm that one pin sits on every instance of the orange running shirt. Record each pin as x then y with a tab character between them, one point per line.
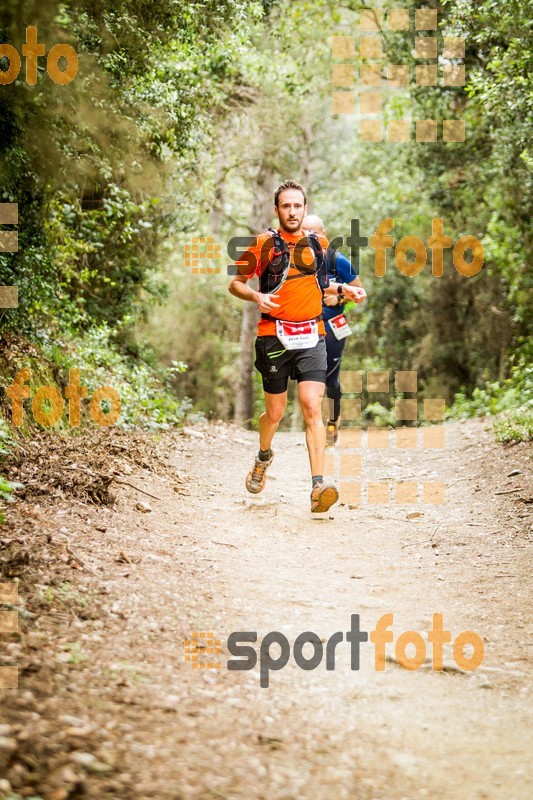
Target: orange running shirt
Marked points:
299	299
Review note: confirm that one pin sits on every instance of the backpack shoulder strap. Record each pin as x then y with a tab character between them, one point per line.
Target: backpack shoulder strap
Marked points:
331	263
278	265
277	237
282	255
321	271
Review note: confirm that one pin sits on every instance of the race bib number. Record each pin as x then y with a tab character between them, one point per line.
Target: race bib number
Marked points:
297	335
339	326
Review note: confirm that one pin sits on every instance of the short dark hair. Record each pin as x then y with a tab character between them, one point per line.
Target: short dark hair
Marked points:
289	185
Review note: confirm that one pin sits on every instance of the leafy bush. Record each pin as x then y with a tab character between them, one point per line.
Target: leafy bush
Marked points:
7	488
514	393
7	442
515	426
144	386
377	414
6	492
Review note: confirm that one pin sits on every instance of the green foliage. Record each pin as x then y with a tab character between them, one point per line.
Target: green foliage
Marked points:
153	83
199	327
6	492
7	445
104	255
470	330
515	426
7	488
112	175
145	387
7	442
182	119
378	414
514	393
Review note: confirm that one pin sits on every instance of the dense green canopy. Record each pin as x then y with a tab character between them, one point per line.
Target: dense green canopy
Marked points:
181	121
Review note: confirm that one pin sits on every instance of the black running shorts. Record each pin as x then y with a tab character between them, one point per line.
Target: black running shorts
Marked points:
277	365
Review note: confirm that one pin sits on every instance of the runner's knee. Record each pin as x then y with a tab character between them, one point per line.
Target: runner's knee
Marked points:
311	410
274	414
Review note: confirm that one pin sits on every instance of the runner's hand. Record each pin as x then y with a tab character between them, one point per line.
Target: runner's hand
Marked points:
331	299
355	293
266	303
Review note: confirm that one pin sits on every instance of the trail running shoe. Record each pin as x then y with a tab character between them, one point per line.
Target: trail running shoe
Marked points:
256	478
323	496
332	434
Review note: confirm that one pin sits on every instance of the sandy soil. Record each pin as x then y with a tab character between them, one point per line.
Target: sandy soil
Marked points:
107	705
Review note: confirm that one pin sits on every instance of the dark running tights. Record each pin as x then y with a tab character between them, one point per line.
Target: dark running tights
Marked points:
334	349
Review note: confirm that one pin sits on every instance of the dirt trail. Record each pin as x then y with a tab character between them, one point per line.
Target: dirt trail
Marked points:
209	558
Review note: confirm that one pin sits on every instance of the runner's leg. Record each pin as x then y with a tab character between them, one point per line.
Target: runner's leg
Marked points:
271	417
310	394
334	348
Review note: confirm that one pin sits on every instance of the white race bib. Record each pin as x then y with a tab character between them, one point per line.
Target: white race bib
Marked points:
297	335
339	326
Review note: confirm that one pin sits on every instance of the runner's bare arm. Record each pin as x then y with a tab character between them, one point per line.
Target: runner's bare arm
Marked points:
353	290
332	289
239	288
360	296
356	282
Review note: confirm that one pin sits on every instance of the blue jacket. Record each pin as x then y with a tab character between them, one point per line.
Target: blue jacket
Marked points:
345	274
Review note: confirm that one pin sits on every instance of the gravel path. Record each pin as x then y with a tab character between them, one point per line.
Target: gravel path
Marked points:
208	558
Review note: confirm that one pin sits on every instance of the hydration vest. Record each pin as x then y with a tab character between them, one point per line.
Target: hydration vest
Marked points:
276	271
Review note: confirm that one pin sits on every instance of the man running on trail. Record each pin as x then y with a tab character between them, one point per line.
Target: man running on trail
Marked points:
337	328
290	335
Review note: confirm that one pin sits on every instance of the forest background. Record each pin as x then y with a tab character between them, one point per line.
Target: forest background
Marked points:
182	120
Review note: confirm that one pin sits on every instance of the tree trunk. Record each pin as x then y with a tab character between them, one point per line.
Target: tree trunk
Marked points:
259	221
244	402
216	215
